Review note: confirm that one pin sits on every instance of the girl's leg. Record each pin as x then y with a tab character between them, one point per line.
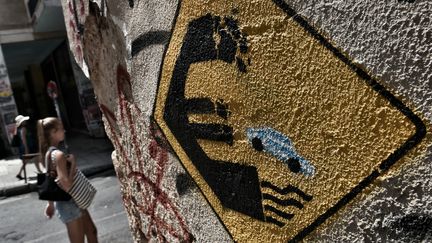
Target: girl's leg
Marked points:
89	228
75	230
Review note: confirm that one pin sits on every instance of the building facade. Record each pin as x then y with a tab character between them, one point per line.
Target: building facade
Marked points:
34	50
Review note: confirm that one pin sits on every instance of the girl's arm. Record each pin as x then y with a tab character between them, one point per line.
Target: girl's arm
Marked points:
63	177
49	209
71	159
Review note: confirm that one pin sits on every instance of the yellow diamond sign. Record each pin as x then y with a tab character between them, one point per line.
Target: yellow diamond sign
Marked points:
278	128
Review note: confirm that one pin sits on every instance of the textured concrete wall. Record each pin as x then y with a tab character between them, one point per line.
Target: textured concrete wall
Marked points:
266	120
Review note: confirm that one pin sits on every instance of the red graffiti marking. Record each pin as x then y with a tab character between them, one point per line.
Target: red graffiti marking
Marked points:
76	36
164	217
72	25
82	9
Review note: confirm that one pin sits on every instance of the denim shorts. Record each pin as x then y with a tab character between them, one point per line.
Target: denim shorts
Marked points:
67	210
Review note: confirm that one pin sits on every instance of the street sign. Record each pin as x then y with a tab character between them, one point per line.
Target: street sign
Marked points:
52	90
53	94
278	128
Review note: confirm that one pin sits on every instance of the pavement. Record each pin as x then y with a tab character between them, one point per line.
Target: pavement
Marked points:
93	156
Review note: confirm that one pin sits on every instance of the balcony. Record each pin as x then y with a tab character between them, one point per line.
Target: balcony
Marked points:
29	31
13	15
31	20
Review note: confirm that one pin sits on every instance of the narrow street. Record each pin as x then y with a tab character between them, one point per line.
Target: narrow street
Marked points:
22	217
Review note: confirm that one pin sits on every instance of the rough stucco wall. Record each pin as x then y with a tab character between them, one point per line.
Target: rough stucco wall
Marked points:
393	40
122	50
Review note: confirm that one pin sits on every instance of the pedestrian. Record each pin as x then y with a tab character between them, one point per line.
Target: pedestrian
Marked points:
27	142
78	222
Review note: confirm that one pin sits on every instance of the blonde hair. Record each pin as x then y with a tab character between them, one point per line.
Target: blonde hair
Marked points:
44	128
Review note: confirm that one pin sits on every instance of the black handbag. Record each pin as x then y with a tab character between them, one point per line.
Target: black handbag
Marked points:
47	186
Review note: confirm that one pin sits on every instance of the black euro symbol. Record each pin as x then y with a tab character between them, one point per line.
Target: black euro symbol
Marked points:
237	186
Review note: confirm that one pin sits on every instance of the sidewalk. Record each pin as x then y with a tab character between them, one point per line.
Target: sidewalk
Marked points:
93	156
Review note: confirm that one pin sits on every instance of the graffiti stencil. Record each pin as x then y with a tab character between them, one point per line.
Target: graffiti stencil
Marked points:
278	128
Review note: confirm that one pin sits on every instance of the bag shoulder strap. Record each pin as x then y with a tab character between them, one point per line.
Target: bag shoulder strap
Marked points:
49	159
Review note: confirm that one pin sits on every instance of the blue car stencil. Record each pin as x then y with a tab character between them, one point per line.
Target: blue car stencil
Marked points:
280	146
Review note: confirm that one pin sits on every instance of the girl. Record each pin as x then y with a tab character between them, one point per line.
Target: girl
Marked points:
78	222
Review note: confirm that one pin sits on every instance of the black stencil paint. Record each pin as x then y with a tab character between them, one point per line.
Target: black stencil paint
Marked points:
287	190
257	144
236	186
222	109
148	39
215	132
184	183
